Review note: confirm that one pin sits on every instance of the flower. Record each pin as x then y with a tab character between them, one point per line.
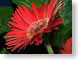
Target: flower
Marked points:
28	26
67	47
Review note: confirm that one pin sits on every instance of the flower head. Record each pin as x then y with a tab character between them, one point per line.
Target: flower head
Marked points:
28	26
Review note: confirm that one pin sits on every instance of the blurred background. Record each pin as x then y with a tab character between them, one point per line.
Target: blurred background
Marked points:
4	2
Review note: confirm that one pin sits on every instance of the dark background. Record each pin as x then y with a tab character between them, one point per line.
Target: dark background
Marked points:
4	2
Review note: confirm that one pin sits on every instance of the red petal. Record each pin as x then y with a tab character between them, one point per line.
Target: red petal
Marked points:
22	15
16	33
47	30
38	39
20	27
35	10
18	18
29	15
67	47
45	11
17	46
56	28
57	22
51	8
41	9
11	42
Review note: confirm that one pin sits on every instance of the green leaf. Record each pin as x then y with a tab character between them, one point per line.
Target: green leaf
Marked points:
65	29
23	2
43	1
5	14
28	3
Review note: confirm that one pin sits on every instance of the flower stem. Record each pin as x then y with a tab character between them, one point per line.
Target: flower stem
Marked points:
50	50
4	51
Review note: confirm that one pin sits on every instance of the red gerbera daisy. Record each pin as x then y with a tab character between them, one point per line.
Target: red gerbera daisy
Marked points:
67	47
27	25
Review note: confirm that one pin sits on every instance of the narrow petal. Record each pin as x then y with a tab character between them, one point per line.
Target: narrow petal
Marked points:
11	42
47	29
38	39
16	26
56	28
35	10
57	22
17	46
29	14
51	8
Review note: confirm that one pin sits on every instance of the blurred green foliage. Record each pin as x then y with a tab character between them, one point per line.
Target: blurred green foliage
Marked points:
5	14
28	2
65	31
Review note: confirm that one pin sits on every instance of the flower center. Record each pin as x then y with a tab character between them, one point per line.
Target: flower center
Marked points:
37	27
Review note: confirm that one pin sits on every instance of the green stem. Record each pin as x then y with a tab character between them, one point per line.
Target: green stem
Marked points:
50	50
4	51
